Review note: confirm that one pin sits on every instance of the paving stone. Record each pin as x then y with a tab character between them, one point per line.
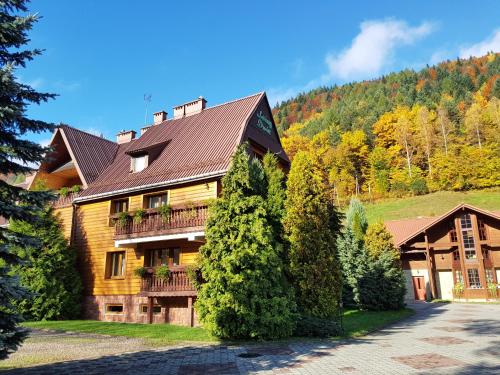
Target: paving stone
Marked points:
444	340
427	361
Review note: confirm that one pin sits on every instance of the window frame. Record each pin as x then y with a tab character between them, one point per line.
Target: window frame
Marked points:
143	309
115	201
476	282
109	266
147	199
108	305
133	165
170	257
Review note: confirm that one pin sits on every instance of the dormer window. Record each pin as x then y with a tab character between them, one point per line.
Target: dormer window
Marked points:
139	163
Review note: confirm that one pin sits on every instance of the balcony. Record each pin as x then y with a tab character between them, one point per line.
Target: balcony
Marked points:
179	220
177	284
64	200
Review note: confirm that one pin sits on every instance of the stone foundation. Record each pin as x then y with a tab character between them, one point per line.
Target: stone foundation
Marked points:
174	310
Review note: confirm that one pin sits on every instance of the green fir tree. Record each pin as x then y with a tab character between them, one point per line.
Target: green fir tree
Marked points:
49	271
311	225
16	153
245	293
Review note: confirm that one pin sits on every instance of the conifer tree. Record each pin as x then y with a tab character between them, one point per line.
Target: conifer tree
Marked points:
352	254
311	226
16	153
49	270
244	294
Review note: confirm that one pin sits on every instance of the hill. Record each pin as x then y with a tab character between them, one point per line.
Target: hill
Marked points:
433	204
406	133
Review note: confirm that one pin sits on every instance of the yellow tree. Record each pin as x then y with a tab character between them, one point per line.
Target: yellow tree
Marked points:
426	130
474	119
293	141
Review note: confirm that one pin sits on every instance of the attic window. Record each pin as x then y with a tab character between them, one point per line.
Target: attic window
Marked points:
139	163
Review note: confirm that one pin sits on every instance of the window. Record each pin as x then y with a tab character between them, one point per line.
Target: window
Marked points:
468	237
456	255
486	253
156	309
158	257
156	201
115	264
482	230
139	163
465	221
119	205
459	278
114	309
489	276
473	277
453	232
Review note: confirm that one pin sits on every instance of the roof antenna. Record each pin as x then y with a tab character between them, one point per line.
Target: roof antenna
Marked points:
147	100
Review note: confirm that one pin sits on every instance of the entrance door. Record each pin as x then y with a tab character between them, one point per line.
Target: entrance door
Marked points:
445	284
419	287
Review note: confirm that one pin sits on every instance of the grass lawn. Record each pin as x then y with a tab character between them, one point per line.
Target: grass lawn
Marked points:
356	323
434	204
156	334
359	323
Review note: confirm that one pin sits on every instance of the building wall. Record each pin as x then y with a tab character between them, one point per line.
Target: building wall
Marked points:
409	273
65	216
93	239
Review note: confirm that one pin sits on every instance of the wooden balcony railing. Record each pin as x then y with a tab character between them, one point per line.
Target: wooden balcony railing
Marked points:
153	223
177	283
64	201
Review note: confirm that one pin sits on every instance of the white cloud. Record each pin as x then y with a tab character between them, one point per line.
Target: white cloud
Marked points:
44	142
370	52
490	44
373	48
67	86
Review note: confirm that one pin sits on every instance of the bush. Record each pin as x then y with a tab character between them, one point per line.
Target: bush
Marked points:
63	192
139	215
309	326
140	272
162	272
122	218
165	211
384	285
76	189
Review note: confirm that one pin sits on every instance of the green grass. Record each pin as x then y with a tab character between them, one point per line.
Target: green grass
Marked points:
359	323
434	204
156	334
356	323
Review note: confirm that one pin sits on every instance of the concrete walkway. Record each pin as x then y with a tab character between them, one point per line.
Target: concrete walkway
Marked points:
439	339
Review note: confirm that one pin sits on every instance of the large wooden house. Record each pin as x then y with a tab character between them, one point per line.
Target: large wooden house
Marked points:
453	256
143	202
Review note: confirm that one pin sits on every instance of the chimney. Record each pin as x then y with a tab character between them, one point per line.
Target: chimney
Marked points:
159	117
190	108
125	136
145	129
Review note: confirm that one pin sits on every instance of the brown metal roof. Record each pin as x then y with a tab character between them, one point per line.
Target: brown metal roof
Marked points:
404	230
197	146
93	154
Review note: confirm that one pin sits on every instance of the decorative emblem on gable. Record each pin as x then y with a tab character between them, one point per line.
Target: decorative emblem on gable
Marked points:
264	124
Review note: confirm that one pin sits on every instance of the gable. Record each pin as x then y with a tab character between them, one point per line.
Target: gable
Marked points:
261	130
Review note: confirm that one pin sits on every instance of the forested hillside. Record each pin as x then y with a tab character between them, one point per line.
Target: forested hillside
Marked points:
406	133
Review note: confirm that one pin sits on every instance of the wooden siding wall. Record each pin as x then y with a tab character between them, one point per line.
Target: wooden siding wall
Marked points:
65	215
93	239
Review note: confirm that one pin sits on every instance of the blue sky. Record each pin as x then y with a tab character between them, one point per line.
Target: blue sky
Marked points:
102	56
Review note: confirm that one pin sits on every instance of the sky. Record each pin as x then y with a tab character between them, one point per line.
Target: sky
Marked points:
103	57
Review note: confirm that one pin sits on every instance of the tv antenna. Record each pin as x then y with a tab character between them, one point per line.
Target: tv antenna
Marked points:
147	100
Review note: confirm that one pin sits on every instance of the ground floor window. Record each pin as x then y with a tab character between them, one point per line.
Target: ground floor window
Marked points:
144	309
114	308
459	278
489	276
473	277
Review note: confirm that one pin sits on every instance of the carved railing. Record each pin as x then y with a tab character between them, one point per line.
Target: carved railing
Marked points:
153	222
64	200
178	281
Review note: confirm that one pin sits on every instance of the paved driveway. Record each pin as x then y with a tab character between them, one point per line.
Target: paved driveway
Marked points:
439	339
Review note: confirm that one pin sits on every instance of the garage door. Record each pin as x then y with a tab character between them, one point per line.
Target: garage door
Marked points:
445	284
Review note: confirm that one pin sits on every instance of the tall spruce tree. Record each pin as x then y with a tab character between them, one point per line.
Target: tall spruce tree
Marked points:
311	225
244	294
352	254
50	272
16	154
